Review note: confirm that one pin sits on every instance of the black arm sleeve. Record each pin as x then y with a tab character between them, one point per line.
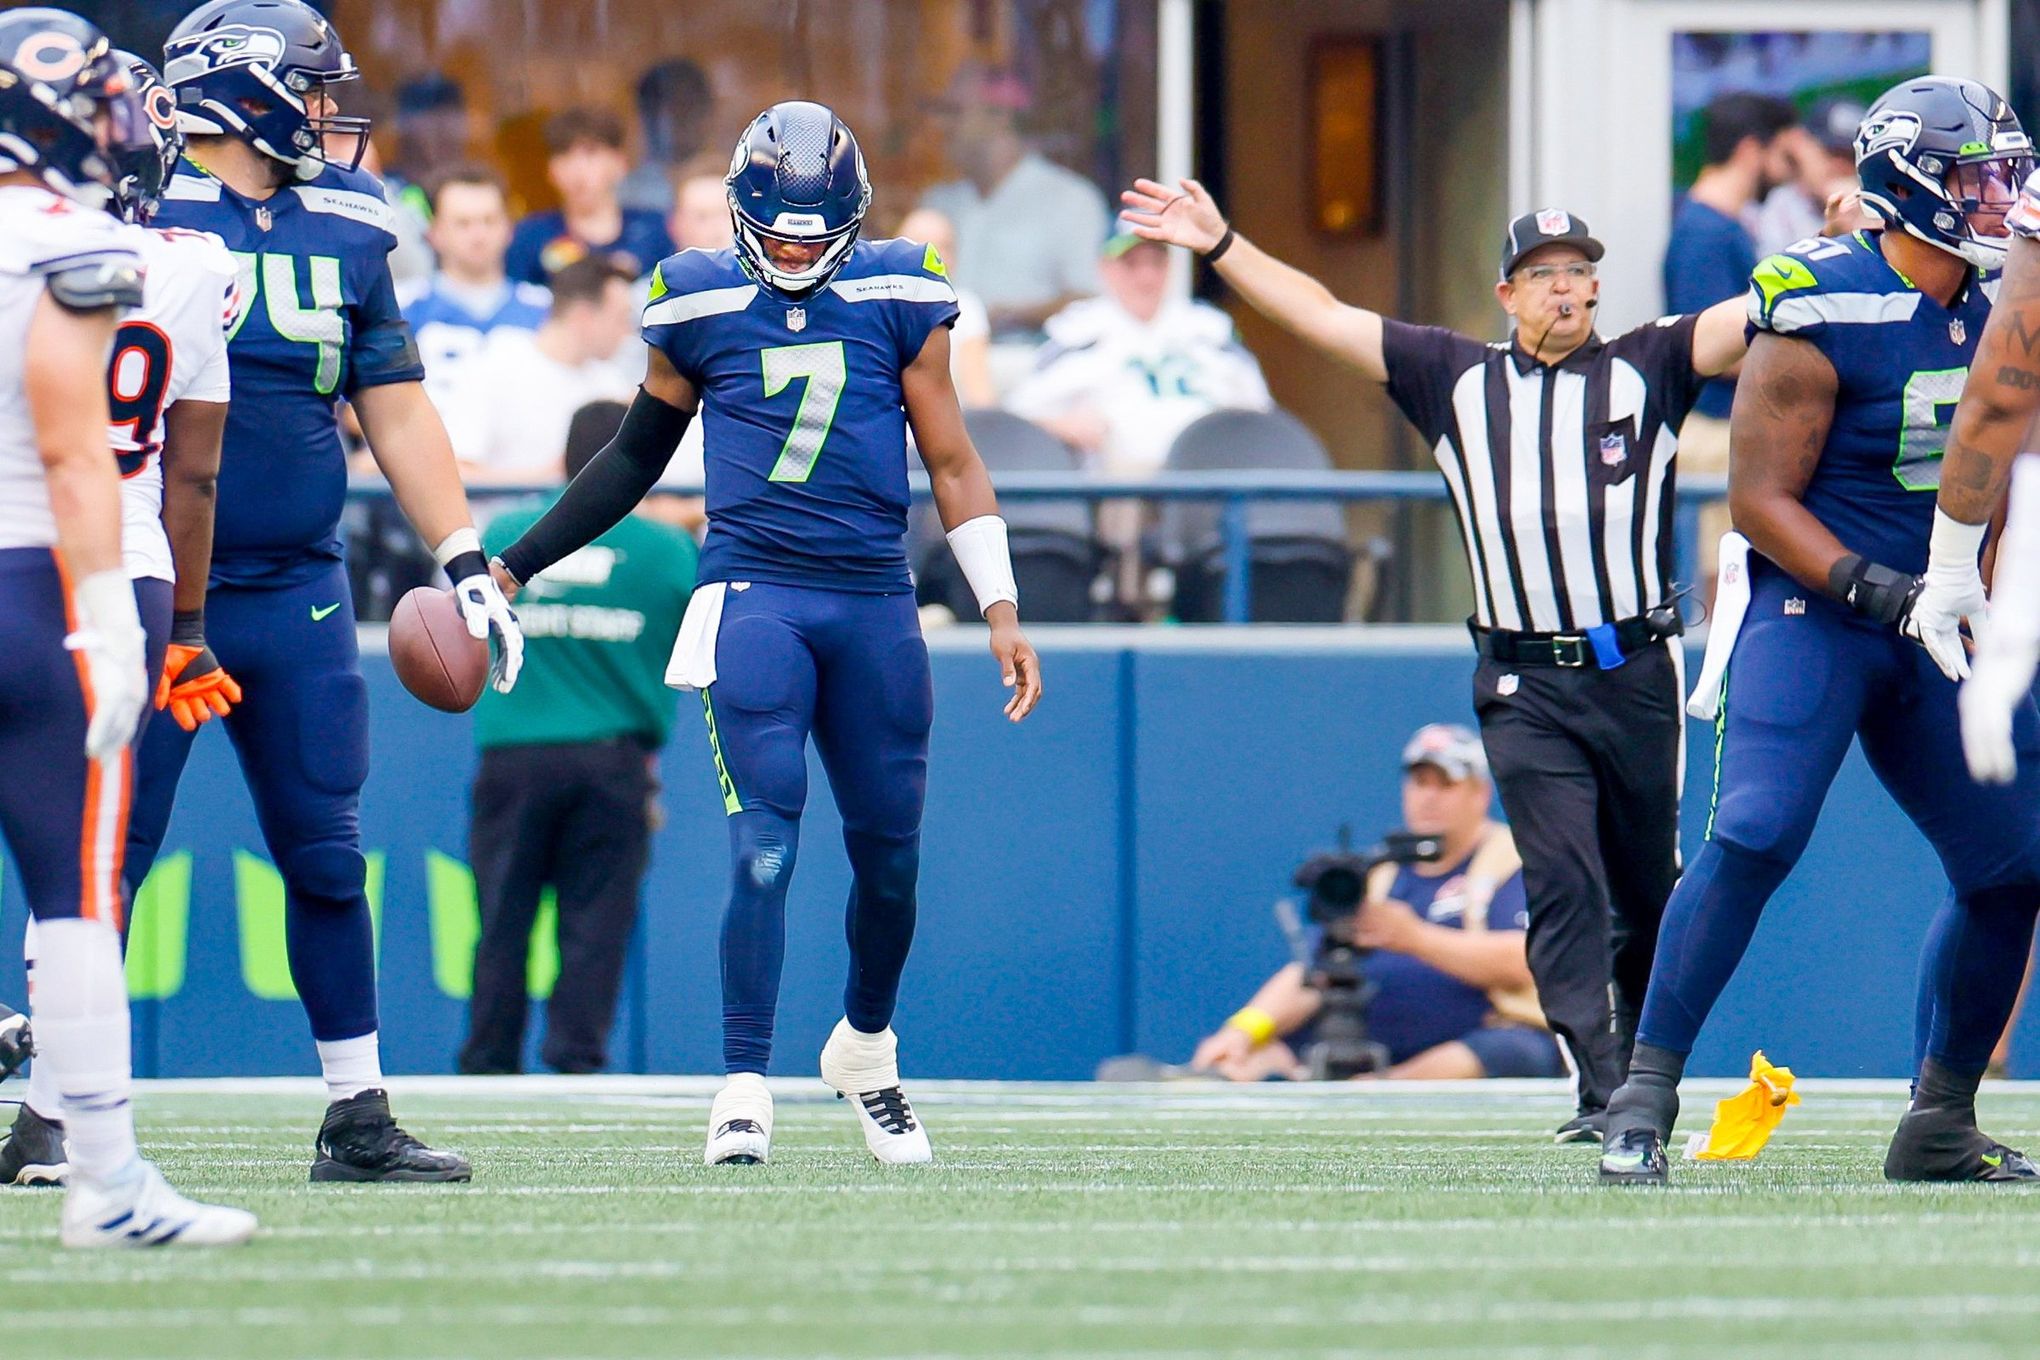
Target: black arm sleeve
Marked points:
609	488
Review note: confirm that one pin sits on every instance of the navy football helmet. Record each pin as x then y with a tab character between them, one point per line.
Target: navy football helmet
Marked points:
144	168
67	107
242	68
1943	159
797	184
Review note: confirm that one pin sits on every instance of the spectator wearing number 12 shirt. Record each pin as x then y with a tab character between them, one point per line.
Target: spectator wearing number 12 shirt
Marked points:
586	164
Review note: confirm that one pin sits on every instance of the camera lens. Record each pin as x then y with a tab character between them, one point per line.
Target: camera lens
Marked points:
1339	887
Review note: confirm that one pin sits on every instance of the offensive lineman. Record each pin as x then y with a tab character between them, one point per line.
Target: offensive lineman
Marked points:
72	677
167	393
1861	346
270	169
812	353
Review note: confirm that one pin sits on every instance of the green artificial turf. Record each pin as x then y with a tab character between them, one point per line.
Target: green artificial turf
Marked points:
1066	1221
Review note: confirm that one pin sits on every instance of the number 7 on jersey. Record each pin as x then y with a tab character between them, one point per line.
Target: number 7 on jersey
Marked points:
821	364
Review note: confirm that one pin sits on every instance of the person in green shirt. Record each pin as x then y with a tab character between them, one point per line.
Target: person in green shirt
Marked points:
563	796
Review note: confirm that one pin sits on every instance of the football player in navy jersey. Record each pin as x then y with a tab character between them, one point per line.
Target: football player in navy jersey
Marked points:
809	353
270	170
1858	590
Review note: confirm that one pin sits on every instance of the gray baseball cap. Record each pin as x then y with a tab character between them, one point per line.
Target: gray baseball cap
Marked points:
1455	750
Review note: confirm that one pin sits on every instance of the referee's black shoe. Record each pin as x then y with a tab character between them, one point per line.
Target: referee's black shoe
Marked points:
1939	1144
1633	1157
1584	1127
34	1151
361	1142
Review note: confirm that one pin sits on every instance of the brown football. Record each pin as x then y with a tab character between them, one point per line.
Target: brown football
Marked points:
432	653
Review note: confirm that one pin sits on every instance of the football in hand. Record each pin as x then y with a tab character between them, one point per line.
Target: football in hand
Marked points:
433	654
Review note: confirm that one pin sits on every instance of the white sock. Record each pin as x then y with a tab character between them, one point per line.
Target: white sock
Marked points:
351	1066
81	1033
42	1095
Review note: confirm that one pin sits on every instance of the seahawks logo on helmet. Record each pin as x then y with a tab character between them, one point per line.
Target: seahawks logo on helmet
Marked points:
228	45
1894	131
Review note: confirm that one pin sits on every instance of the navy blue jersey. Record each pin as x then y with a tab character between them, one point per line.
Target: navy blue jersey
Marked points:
542	245
804	437
318	320
1901	358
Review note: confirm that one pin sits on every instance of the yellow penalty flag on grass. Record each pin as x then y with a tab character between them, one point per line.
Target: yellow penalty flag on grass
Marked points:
1745	1121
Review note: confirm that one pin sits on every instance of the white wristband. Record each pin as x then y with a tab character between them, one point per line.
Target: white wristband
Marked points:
980	548
1954	545
456	543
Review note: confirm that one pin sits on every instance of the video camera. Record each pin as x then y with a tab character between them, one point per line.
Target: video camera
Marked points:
1336	882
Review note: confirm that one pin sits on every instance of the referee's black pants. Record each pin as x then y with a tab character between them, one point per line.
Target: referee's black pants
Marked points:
575	817
1587	765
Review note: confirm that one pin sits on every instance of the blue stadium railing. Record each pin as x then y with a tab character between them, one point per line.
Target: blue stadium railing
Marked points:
1234	491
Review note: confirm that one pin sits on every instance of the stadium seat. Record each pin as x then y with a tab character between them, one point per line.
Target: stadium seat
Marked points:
1055	557
1301	565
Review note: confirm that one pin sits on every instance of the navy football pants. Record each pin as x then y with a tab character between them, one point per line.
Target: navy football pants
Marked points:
853	671
1802	685
301	734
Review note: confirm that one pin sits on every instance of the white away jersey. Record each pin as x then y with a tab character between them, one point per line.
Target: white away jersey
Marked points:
40	234
172	348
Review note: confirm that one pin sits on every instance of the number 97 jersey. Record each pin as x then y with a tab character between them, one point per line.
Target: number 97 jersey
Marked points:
172	348
804	438
1900	359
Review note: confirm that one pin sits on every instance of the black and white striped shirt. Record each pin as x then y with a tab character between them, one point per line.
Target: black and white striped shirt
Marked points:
1562	474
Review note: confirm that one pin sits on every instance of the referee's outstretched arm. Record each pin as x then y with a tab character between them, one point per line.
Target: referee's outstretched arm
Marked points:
1189	217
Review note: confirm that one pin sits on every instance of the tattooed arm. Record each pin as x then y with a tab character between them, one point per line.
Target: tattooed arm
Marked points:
1784	402
2000	398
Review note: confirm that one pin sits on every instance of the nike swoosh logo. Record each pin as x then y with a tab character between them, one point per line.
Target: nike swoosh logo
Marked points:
1988	1160
1622	1161
318	613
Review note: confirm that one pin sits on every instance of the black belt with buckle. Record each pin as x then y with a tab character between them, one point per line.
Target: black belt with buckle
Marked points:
1573	651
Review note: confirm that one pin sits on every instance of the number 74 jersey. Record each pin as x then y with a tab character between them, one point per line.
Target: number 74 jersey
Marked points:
804	438
1900	358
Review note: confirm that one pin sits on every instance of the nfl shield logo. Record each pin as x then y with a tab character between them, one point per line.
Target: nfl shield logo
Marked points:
1553	222
1508	685
1614	450
796	318
263	219
1957	331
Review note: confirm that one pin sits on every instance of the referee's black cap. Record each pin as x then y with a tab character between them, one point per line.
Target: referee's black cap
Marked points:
1546	227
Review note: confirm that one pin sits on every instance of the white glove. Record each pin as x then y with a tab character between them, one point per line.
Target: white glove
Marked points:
484	610
1998	686
1950	592
110	639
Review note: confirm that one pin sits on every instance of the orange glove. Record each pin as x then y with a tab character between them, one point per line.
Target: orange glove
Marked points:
194	687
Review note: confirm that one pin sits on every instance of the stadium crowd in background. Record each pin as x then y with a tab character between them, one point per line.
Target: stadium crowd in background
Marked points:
586	164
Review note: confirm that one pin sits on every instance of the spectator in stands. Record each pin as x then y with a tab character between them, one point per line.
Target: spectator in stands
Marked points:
674	106
511	405
1445	941
431	126
700	219
1123	374
1710	254
1026	225
970	340
565	794
585	162
469	294
1822	153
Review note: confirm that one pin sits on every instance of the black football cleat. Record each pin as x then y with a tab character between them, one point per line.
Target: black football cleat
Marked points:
1587	1127
361	1142
34	1151
1942	1145
1634	1157
17	1044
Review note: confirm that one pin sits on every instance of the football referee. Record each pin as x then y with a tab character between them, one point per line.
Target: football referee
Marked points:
1558	448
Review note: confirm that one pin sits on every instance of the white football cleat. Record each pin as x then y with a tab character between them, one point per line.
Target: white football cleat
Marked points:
866	1069
141	1210
740	1123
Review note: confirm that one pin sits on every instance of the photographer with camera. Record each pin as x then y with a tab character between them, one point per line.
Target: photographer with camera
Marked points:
1419	970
